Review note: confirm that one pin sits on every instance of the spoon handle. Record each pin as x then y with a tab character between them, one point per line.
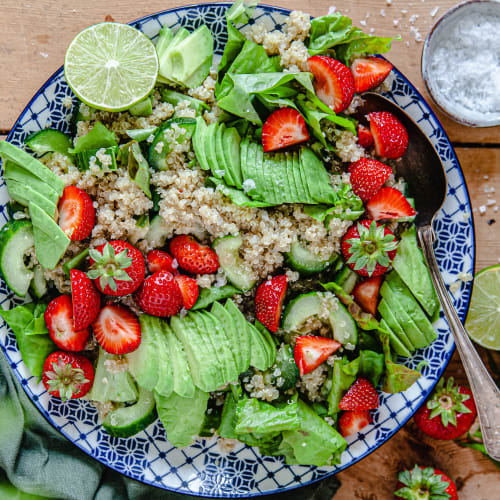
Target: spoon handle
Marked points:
486	393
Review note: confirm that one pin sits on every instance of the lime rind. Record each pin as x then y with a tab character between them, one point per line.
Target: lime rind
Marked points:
111	66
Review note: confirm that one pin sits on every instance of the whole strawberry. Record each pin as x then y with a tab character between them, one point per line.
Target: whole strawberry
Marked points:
425	483
86	299
192	256
448	413
117	268
269	301
160	295
66	375
368	176
369	248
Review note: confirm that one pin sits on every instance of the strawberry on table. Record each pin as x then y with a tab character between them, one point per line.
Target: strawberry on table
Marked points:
448	413
59	320
76	213
389	203
310	351
192	256
389	134
333	82
360	396
66	375
369	72
369	248
365	138
366	294
117	329
86	299
158	260
425	483
117	268
269	301
284	127
368	176
353	421
160	295
189	290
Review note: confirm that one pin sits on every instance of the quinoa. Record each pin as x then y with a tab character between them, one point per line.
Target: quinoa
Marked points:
310	383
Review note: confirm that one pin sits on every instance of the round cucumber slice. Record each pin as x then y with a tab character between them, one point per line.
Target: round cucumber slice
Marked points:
306	262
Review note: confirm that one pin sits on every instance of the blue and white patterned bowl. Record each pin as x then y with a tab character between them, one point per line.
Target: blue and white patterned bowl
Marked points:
202	468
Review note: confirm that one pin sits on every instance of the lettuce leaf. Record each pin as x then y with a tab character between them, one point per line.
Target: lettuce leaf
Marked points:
342	376
371	366
98	137
209	295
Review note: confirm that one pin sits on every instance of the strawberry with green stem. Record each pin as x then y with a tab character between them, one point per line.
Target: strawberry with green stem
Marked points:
425	483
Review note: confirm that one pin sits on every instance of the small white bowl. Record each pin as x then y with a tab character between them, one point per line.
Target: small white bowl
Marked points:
434	40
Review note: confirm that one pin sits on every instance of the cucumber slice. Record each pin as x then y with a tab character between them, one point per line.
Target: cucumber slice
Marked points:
141	134
16	238
142	108
129	420
344	327
227	249
346	279
299	309
49	140
38	284
175	98
75	262
306	262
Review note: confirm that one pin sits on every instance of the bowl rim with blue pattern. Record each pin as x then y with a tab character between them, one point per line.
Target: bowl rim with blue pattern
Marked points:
203	469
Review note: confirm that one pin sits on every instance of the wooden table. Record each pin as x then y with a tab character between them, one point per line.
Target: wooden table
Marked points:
35	34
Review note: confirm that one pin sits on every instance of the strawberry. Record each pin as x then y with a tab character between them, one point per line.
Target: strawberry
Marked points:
425	483
66	375
368	176
160	295
117	329
333	82
158	260
389	134
117	268
360	396
284	127
189	290
269	301
353	421
389	203
369	248
310	351
86	299
366	294
59	320
76	213
365	138
448	413
192	256
369	72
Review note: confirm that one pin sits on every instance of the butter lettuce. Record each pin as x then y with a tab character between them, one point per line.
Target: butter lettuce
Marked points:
98	137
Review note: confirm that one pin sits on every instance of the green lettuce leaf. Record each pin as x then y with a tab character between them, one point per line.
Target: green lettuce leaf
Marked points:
99	137
371	366
138	168
363	45
342	376
209	295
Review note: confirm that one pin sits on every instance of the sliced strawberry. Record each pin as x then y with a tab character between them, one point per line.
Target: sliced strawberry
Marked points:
333	82
368	176
158	260
310	351
365	138
86	299
160	295
189	290
117	329
351	422
369	72
76	213
360	396
284	127
192	256
59	320
389	203
366	294
269	301
389	135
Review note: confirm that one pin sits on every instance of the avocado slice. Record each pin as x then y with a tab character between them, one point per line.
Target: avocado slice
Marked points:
165	37
23	194
164	59
260	350
318	181
272	175
231	149
219	154
263	176
272	351
165	383
243	335
250	168
391	321
199	143
210	150
396	344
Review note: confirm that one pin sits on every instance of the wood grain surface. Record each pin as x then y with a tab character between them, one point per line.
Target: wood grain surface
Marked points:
34	37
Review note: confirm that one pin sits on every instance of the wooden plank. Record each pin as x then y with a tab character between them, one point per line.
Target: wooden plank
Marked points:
34	41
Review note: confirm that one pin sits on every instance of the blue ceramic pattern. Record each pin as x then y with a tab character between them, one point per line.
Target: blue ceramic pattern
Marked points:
202	468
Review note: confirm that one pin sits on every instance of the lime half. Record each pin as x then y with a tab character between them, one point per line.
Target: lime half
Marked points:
111	66
483	319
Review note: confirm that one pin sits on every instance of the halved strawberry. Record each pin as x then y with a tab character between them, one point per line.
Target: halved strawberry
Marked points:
333	82
59	320
351	422
366	294
158	260
389	134
369	72
86	299
269	301
117	329
360	396
368	176
365	138
76	213
189	290
284	127
310	351
389	203
192	256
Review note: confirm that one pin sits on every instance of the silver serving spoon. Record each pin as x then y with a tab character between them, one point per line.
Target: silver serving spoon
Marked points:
422	169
